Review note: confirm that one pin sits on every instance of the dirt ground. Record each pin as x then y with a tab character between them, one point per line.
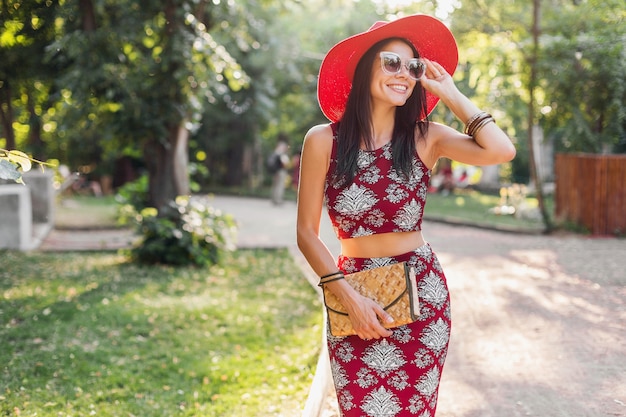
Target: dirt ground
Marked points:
539	324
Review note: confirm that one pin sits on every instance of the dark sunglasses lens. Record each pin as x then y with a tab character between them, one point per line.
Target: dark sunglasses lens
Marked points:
391	63
416	68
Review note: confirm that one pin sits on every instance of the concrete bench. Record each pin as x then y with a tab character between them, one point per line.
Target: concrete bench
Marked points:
16	217
26	211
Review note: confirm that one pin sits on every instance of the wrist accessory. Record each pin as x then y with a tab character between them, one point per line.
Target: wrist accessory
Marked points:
393	287
334	276
477	122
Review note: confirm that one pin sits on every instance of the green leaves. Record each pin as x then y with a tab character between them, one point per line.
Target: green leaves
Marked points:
185	232
8	171
11	162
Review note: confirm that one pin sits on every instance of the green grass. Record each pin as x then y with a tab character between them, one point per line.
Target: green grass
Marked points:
86	212
474	207
462	206
90	334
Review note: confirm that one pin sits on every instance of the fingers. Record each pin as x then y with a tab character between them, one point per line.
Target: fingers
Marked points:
434	70
376	330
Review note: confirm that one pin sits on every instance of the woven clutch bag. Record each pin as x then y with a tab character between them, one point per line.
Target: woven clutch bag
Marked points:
394	287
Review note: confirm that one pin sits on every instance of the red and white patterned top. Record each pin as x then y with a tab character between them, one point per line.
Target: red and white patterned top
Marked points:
379	199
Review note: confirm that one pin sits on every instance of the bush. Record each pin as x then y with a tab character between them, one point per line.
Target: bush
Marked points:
186	232
134	193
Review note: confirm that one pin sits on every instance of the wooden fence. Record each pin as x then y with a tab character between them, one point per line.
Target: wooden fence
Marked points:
591	192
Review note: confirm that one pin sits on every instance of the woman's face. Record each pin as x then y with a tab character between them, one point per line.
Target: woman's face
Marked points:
392	89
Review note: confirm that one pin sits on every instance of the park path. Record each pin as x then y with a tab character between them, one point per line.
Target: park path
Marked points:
539	322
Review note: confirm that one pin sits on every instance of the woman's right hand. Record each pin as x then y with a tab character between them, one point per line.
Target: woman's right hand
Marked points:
366	316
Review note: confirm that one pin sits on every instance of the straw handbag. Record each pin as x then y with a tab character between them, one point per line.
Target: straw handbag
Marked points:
394	287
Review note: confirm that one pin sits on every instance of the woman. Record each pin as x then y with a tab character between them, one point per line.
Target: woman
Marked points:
371	167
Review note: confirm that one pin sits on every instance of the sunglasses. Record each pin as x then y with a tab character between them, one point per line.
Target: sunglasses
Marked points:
391	64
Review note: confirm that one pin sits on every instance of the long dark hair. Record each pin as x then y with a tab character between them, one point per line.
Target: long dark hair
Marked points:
356	122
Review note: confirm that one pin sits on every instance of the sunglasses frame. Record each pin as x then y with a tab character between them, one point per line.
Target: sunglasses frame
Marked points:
420	64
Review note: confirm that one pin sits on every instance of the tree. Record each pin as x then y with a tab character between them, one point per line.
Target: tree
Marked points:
583	58
137	76
26	29
535	52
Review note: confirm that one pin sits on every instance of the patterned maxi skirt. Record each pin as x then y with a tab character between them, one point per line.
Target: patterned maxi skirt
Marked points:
398	375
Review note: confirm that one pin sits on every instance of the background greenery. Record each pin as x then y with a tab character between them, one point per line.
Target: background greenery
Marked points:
113	87
91	334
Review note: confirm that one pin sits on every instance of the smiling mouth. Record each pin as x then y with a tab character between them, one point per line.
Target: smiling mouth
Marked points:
398	88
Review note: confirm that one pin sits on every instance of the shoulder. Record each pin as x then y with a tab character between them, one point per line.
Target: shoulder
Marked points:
320	133
319	138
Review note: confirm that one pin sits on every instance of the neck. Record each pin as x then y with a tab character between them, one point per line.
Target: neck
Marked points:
382	127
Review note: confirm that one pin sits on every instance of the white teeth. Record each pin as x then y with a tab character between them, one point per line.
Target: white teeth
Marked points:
399	88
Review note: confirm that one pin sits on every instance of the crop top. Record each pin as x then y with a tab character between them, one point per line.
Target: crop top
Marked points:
378	200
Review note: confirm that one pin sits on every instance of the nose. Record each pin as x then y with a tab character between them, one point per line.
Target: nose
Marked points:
404	67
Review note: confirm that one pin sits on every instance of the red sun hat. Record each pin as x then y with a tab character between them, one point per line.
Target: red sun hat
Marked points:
432	39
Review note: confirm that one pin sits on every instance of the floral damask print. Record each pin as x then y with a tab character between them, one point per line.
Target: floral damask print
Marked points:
361	231
433	290
344	223
400	380
436	336
355	200
371	175
375	218
345	352
423	358
366	378
365	159
376	262
396	376
346	400
384	357
339	375
381	402
407	217
376	188
396	193
429	382
402	334
416	405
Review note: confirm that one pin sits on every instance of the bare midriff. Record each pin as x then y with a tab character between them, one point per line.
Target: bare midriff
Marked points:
382	245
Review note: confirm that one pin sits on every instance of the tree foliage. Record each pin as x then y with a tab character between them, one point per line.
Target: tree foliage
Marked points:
581	67
89	81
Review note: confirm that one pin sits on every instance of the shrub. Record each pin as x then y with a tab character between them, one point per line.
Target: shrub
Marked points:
134	193
186	232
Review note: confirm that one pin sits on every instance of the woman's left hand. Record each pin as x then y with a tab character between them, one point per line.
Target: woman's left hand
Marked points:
436	80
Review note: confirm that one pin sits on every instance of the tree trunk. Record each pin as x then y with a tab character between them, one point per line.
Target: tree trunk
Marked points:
6	113
88	15
34	132
531	116
167	167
